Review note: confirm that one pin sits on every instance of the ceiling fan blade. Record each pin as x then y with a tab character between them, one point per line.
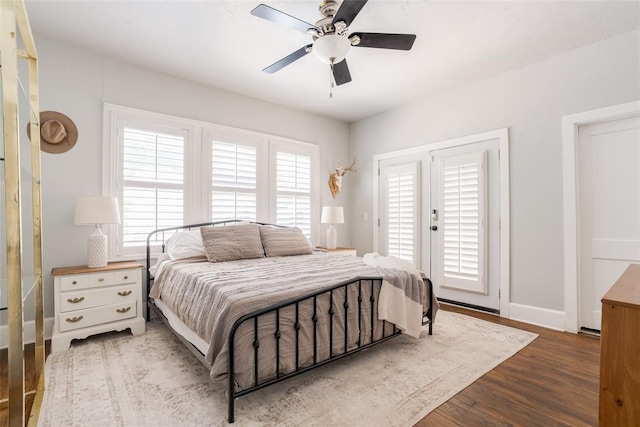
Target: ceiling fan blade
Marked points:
341	73
386	41
274	15
287	60
348	11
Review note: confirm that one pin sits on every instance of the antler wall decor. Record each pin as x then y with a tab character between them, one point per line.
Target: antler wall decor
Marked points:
335	179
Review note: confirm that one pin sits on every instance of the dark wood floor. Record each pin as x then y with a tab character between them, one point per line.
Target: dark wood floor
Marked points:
551	382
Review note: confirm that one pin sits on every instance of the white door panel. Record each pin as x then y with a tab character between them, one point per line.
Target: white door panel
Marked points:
465	245
609	209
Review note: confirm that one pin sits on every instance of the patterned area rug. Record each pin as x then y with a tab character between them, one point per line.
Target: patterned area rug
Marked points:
153	380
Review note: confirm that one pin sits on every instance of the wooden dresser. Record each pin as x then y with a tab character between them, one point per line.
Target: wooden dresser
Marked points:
620	352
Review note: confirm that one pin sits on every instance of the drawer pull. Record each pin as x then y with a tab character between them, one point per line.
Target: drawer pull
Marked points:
101	279
126	277
74	282
74	319
123	310
75	300
124	293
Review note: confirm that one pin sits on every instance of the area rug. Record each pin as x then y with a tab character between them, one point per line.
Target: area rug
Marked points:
153	380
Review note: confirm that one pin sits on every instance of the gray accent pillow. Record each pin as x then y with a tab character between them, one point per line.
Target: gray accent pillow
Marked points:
278	241
232	242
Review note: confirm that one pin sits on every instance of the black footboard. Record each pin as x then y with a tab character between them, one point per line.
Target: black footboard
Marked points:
348	299
300	334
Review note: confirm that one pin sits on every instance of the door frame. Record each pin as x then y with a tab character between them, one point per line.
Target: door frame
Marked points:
502	135
570	142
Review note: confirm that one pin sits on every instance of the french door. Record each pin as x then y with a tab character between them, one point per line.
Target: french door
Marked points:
445	207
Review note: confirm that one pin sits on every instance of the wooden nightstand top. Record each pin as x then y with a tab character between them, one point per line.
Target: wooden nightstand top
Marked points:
339	249
62	271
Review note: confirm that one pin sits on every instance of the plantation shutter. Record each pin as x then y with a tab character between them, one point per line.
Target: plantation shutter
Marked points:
152	183
402	214
233	179
293	190
463	224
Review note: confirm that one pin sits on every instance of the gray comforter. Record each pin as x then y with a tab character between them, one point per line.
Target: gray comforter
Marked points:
210	297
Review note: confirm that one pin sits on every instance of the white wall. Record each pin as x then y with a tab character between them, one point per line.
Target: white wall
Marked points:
77	83
529	101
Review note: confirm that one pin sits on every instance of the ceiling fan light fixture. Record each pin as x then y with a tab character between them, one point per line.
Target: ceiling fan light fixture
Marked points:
331	48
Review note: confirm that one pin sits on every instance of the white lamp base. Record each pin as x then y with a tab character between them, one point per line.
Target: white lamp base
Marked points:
97	248
332	237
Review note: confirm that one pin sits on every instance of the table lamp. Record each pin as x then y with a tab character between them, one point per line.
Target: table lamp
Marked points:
97	211
332	215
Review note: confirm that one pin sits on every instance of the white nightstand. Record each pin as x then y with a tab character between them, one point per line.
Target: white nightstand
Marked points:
90	301
341	251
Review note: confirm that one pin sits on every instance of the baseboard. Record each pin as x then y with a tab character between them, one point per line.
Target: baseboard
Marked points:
552	319
29	332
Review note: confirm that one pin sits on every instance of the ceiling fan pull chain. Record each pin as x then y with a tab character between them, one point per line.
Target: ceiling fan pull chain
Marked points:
331	80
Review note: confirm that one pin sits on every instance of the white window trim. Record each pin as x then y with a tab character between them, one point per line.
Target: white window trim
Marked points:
197	162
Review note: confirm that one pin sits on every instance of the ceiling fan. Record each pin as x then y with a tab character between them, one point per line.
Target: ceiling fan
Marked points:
331	38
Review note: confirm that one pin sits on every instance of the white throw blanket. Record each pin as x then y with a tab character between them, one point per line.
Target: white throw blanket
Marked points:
402	292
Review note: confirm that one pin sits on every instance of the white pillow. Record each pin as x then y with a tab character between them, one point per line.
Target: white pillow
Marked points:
185	244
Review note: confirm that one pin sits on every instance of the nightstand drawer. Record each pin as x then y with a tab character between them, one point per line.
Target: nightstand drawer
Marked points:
125	276
68	283
84	281
100	279
96	316
87	298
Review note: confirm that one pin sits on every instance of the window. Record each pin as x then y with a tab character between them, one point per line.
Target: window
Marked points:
168	171
233	180
293	190
152	183
402	211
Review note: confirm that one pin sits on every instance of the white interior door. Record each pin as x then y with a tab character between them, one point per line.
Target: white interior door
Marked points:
465	224
609	209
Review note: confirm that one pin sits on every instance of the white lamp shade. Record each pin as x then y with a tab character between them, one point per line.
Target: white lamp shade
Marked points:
97	210
331	48
332	215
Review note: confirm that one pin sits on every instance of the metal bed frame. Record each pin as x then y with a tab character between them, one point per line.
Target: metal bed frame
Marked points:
356	285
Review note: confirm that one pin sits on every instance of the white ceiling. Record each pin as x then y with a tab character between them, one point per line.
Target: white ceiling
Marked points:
219	43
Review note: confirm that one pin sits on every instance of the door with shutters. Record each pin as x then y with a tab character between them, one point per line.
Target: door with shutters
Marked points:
464	224
400	210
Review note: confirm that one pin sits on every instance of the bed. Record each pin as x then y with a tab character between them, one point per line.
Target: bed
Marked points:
258	305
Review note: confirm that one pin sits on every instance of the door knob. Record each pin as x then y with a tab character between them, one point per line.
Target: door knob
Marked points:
434	227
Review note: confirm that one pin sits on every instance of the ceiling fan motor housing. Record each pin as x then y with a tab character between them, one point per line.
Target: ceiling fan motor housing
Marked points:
328	8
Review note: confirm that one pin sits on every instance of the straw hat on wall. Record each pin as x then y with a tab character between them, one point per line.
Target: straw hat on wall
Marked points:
58	133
